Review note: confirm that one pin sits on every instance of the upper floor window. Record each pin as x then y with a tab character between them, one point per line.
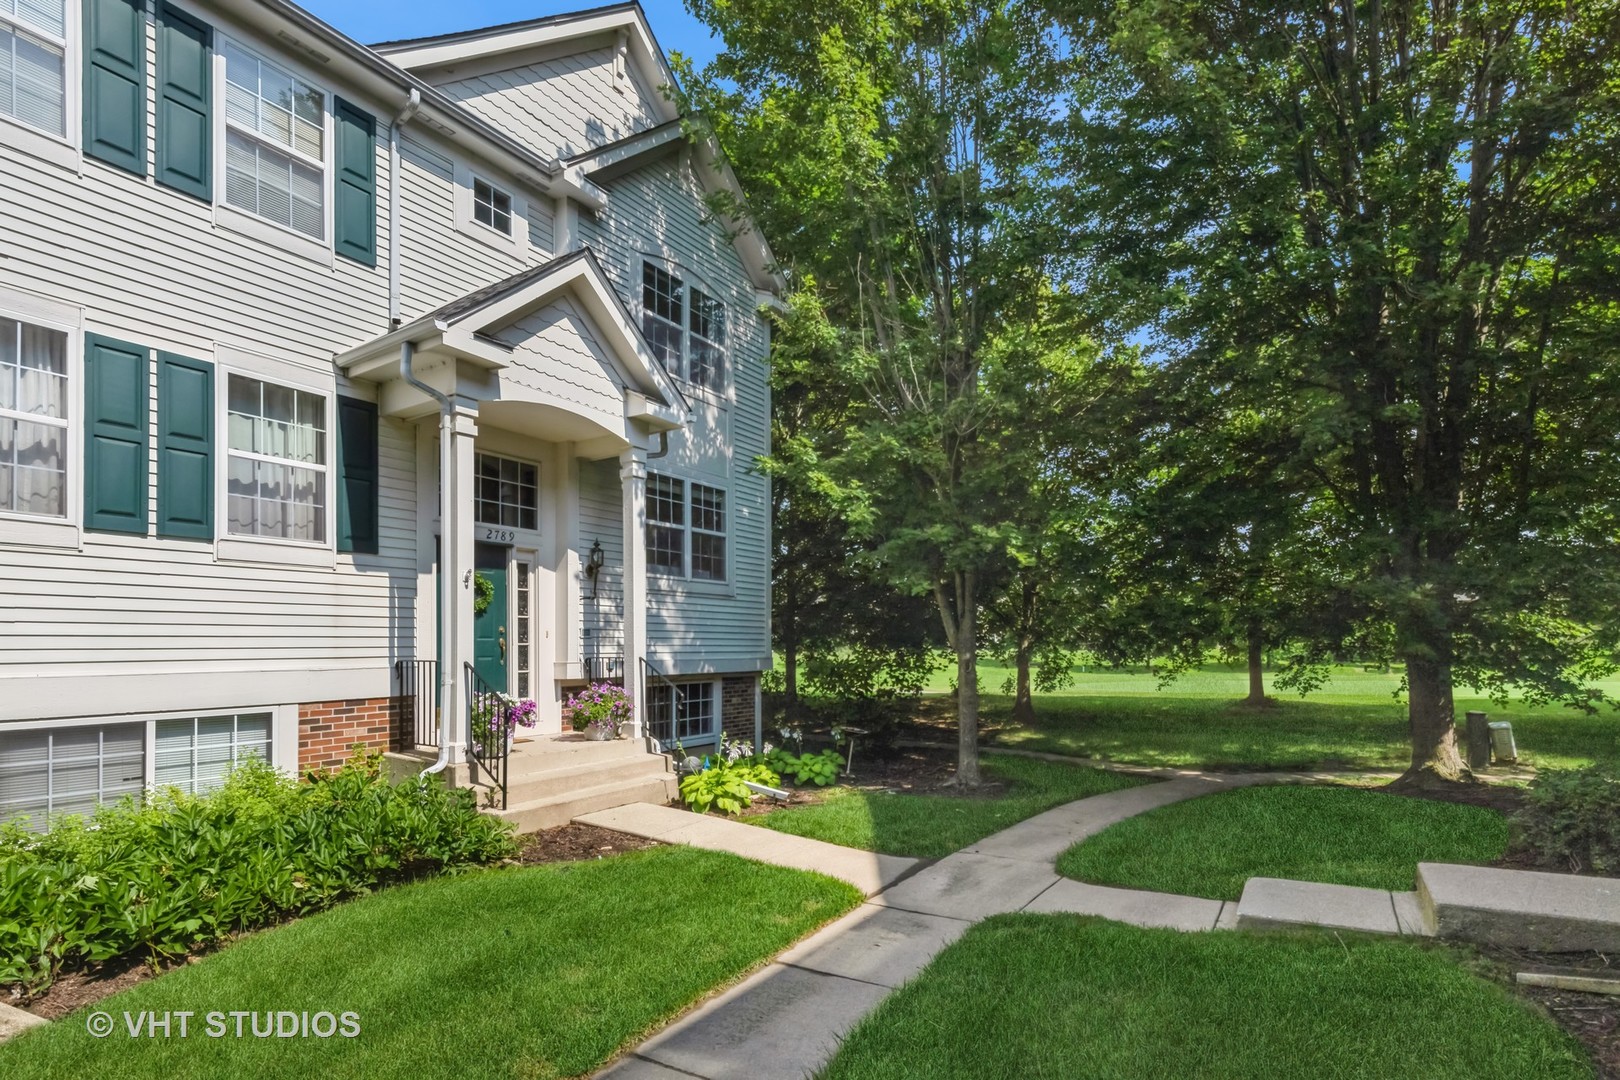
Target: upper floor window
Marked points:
33	63
492	207
275	144
277	469
33	419
508	493
684	326
686	526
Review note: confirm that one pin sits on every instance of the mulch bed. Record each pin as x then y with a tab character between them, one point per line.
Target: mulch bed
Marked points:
911	770
571	843
1594	1019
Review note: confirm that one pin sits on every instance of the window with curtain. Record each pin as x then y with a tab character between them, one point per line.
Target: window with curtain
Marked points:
33	63
275	143
49	773
277	472
196	754
33	419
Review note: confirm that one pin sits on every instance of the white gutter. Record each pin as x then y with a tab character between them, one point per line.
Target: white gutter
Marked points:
447	580
412	104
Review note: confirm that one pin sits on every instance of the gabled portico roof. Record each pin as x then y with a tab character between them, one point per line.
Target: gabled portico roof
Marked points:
468	324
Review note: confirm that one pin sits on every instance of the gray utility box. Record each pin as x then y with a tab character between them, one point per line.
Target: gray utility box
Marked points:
1502	746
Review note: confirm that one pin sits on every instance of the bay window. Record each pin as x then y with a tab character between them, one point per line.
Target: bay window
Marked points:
277	461
686	527
684	326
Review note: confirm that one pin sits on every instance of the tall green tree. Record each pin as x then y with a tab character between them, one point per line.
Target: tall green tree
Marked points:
1398	220
889	151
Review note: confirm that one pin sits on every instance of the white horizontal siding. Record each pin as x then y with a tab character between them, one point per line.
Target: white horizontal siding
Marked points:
601	520
694	629
560	107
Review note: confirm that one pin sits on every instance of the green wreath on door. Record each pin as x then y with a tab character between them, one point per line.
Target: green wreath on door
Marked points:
483	593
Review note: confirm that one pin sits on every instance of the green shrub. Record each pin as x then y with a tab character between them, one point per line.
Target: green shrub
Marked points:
157	879
723	782
818	769
1573	816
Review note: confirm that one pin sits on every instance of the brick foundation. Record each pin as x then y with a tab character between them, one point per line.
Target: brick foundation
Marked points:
329	730
737	707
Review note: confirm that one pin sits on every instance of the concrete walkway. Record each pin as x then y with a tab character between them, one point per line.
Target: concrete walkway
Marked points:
787	1020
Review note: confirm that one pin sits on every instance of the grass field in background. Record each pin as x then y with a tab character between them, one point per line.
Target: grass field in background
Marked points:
1212	845
1066	996
1355	721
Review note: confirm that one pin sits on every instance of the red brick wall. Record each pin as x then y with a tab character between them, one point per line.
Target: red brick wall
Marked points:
737	707
329	730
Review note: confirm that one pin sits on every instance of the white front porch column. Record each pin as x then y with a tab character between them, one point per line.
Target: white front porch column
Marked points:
456	553
633	474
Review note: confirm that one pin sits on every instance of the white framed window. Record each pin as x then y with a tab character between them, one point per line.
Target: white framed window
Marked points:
34	437
684	712
47	773
195	754
508	492
34	64
492	207
686	528
275	143
277	461
685	327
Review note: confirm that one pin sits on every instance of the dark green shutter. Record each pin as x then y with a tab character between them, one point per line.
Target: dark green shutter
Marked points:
184	95
355	208
115	407
115	83
357	476
185	463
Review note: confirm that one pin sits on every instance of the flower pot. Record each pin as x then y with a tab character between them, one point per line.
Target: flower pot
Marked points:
598	734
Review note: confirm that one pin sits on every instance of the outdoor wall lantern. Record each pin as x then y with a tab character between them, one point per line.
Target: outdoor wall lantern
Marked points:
593	565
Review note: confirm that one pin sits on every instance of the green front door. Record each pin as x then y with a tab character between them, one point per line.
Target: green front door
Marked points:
489	625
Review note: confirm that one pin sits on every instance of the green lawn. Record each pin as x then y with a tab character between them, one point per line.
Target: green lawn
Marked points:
1062	996
1354	722
1344	836
536	972
930	826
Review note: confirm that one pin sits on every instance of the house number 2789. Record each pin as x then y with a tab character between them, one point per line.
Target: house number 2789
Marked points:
500	535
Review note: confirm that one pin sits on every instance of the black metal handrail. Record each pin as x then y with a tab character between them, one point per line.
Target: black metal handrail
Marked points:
603	669
488	728
418	682
663	728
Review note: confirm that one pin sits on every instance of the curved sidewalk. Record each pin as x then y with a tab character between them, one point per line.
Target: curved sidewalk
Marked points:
787	1019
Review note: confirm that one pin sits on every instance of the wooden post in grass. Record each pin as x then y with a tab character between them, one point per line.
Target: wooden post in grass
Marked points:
1479	741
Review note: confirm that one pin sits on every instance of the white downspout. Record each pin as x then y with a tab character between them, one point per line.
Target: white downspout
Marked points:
412	104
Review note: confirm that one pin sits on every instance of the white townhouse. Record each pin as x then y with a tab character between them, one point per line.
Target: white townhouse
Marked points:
336	380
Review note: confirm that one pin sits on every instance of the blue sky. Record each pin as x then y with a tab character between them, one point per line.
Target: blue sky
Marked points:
370	21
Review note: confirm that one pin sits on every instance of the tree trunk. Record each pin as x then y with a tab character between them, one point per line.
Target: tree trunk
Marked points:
967	702
1435	759
1257	664
790	676
1023	711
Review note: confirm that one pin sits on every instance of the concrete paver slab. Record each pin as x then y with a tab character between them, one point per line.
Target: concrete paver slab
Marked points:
783	1022
876	944
1134	906
969	886
1521	908
866	870
1227	919
1269	903
14	1021
1409	915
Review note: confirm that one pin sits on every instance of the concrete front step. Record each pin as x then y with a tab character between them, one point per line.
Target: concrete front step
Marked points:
1522	909
552	810
539	778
